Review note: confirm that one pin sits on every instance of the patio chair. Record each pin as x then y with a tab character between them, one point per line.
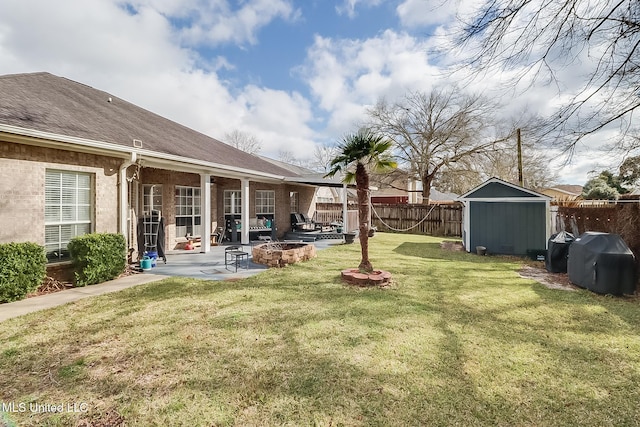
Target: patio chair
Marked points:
300	222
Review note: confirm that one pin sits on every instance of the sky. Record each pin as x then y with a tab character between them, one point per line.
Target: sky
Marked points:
294	74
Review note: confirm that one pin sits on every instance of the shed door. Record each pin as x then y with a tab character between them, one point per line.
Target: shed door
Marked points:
508	228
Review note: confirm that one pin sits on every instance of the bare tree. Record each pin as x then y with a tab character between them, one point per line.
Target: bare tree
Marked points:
322	157
433	131
287	156
547	37
243	141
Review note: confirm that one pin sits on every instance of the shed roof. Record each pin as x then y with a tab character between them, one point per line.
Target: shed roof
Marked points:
500	190
55	105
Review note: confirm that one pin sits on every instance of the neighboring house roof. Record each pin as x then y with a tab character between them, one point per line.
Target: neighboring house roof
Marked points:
439	196
48	105
569	190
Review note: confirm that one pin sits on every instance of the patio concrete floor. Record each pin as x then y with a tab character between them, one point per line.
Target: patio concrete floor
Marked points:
210	266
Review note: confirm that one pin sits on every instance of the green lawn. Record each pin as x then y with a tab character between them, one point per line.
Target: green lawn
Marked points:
456	340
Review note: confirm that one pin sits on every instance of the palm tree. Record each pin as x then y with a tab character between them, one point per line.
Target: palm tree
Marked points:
366	151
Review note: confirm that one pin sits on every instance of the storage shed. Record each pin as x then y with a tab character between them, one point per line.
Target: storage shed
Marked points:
505	218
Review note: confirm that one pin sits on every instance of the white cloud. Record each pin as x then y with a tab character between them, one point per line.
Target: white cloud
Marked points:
419	13
135	55
214	23
279	119
347	76
348	7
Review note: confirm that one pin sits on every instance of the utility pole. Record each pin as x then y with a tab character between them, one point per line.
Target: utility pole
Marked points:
520	177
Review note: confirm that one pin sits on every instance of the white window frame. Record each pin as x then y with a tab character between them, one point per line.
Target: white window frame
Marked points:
68	209
294	202
232	202
151	198
187	205
265	202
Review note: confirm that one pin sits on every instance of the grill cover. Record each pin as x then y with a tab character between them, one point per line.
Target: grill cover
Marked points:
602	263
558	252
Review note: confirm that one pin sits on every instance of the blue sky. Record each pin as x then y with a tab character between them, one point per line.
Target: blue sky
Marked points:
295	74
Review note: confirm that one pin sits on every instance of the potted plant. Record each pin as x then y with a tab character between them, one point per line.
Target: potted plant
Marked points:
349	237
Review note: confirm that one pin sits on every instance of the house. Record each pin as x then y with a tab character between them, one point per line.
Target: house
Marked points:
398	187
74	160
563	193
505	218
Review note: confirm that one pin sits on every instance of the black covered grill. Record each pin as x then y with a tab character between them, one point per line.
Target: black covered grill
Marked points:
558	252
602	263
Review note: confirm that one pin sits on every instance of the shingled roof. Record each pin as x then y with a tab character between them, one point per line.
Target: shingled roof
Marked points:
47	103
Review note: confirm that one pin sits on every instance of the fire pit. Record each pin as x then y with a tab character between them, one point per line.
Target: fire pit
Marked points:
276	254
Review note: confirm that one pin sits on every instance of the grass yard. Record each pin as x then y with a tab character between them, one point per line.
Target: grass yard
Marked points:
457	340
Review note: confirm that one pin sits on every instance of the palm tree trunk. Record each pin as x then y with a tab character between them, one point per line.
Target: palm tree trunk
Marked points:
362	188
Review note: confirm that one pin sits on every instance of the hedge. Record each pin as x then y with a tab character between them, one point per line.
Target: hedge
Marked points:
97	257
23	268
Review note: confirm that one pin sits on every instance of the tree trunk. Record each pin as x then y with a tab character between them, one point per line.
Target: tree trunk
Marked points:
427	180
362	188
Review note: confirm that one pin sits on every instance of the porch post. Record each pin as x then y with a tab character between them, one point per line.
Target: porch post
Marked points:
244	217
123	194
344	209
205	212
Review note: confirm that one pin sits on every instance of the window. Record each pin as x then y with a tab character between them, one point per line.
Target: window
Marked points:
188	220
151	198
265	202
232	202
67	210
293	202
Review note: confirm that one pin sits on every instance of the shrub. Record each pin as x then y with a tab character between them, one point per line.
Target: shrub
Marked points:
23	267
97	257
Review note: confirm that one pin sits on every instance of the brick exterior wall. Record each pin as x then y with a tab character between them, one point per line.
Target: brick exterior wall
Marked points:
22	175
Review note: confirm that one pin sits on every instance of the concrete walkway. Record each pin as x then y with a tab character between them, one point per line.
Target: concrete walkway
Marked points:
42	302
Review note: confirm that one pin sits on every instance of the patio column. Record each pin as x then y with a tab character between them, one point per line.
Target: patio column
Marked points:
344	209
123	196
205	212
244	217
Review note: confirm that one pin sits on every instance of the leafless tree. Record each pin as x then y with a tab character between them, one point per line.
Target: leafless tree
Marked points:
501	163
433	131
243	141
287	156
545	38
322	157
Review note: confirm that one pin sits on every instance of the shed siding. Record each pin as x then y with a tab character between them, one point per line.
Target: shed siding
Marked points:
508	228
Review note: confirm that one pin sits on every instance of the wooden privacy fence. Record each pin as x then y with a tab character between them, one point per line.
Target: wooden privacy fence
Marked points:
435	220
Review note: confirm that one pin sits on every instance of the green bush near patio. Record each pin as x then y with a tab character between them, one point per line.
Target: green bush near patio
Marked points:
98	257
22	270
457	339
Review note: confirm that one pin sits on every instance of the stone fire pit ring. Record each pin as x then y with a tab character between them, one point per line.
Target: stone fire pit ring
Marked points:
277	254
